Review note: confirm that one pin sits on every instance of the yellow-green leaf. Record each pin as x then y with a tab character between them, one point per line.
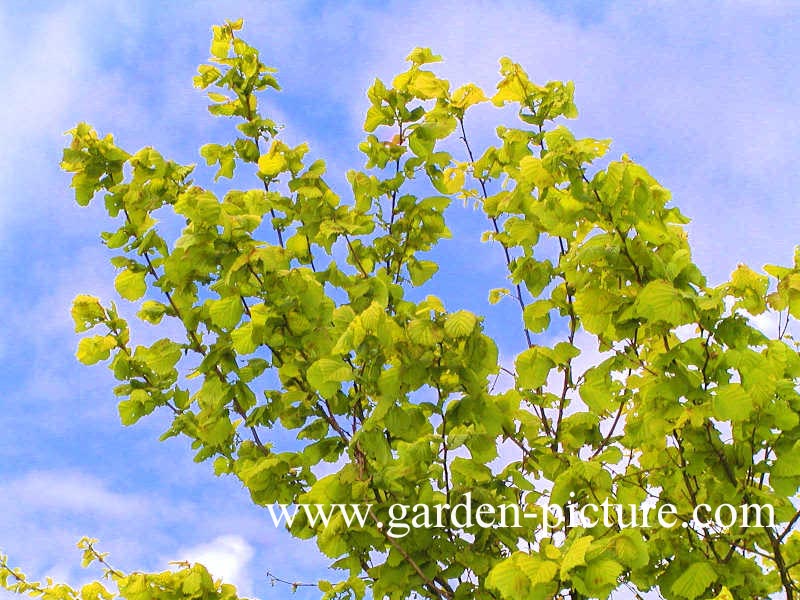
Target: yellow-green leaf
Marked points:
467	95
95	348
326	374
460	324
694	580
732	403
225	313
130	284
86	312
660	301
576	555
271	164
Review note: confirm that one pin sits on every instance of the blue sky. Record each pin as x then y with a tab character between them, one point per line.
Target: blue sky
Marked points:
703	94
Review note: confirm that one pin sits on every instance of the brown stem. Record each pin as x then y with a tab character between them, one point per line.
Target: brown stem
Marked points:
198	347
485	194
430	584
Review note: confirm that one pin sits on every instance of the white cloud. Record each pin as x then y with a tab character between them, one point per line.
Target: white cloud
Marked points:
226	557
40	84
69	492
770	322
46	70
768	7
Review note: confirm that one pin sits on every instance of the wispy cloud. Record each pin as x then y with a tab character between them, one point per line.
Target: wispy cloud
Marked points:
72	493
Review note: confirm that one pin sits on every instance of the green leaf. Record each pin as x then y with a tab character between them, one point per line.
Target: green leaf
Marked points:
533	172
497	294
326	374
508	580
271	164
576	555
375	118
724	594
422	142
95	348
533	367
427	86
95	591
247	150
213	394
193	584
537	315
131	284
452	180
787	463
161	357
225	313
631	549
217	97
751	287
776	271
660	301
694	580
87	312
467	95
242	338
732	403
460	324
421	270
219	45
423	332
539	572
133	409
422	56
152	311
600	577
564	352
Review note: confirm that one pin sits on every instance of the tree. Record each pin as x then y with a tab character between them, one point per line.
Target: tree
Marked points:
689	411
